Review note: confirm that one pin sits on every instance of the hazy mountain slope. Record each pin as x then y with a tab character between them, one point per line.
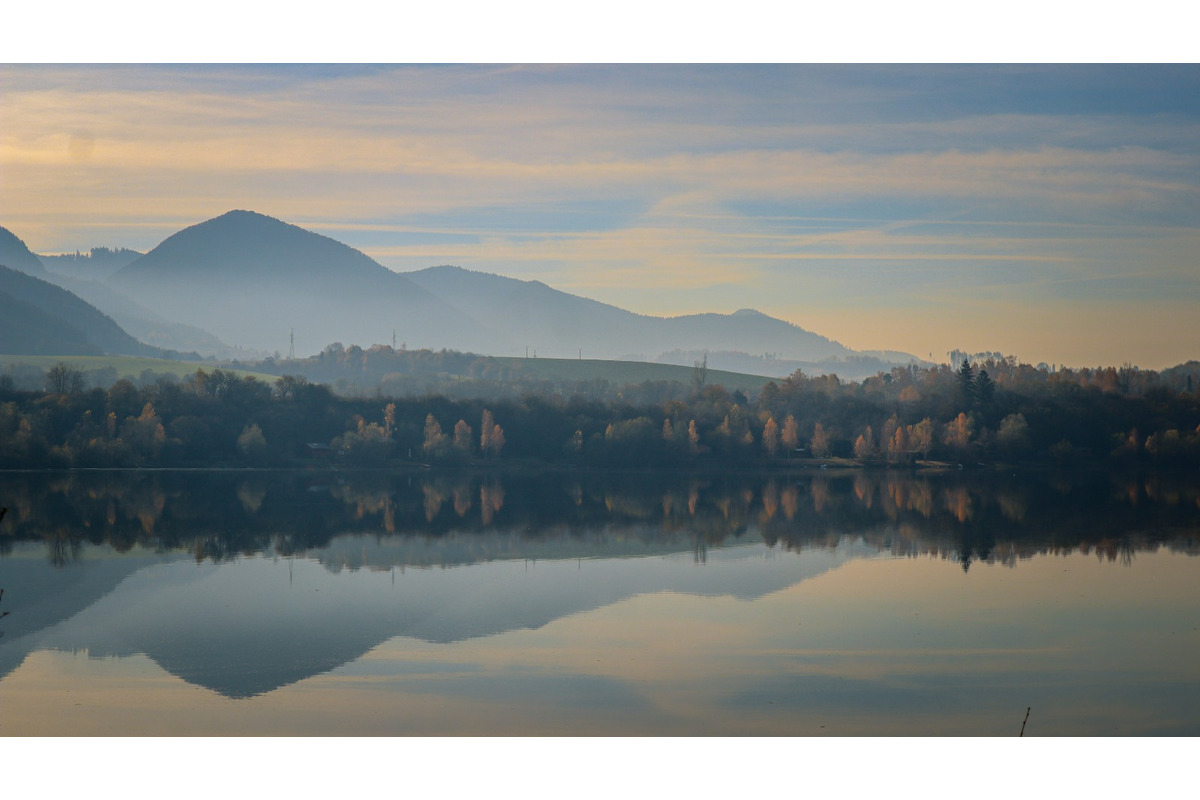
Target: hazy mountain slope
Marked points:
475	293
15	255
751	332
142	323
559	324
60	313
252	279
530	313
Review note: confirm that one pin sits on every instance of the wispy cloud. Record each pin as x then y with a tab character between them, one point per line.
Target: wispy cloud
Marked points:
664	188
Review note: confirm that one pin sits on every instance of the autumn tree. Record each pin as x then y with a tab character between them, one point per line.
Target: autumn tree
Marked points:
486	426
462	437
434	438
790	436
957	433
770	437
898	445
864	445
821	442
920	437
368	441
497	440
888	433
252	444
491	437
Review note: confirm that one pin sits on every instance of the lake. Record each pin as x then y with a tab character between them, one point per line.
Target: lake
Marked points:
806	603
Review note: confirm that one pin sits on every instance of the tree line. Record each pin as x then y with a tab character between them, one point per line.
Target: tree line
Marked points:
984	411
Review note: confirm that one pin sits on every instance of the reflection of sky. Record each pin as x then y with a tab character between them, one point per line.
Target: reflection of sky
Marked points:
990	201
884	646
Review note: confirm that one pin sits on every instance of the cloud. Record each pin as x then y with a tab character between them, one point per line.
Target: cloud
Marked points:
669	185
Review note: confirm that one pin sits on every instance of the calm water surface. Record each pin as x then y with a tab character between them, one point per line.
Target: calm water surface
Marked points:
190	603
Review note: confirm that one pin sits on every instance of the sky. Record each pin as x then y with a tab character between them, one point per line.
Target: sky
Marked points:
1051	212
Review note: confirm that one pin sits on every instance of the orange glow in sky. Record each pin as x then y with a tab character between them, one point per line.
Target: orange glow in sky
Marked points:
1049	212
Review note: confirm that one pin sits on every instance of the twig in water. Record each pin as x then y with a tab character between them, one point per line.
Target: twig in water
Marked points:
1022	733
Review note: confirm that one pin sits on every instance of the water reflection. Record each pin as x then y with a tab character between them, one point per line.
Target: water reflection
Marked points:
969	517
246	582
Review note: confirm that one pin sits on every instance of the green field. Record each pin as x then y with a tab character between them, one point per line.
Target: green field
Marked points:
551	369
620	372
127	366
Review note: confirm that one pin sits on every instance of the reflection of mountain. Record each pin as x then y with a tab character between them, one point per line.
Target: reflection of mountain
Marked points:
446	557
250	626
39	595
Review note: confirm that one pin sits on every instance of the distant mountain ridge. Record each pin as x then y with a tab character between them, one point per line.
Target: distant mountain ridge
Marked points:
253	279
96	264
558	324
258	282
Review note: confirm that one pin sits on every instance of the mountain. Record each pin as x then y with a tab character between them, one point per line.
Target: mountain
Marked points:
751	331
27	330
256	281
253	279
557	324
15	255
39	318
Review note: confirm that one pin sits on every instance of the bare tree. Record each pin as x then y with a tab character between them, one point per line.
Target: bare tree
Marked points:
62	379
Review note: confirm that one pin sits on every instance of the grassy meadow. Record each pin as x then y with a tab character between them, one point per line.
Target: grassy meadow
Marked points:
126	366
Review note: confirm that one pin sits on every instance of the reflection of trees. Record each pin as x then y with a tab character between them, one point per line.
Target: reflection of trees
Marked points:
820	495
957	500
963	516
462	499
62	549
988	517
251	493
770	500
491	500
789	498
433	501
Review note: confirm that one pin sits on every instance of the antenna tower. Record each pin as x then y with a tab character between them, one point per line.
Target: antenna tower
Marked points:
292	345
